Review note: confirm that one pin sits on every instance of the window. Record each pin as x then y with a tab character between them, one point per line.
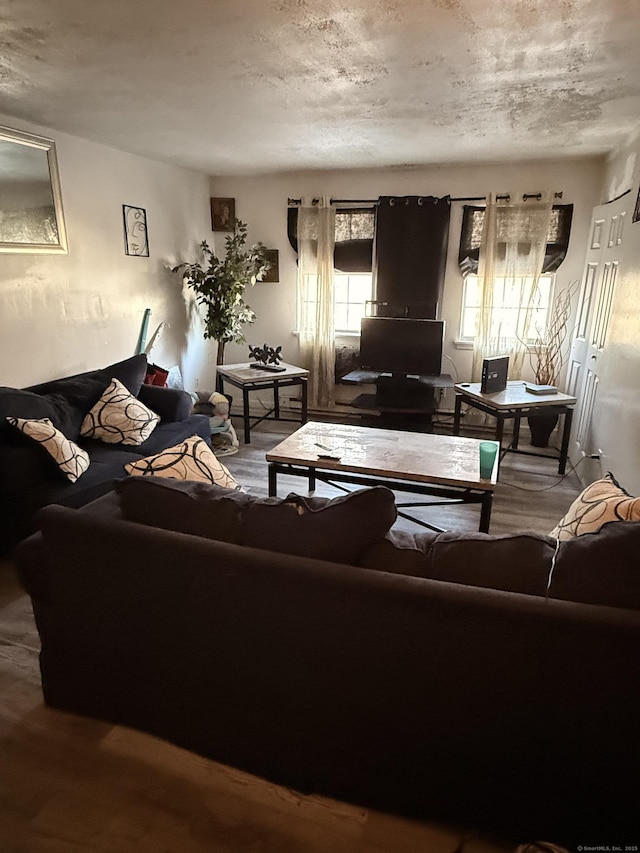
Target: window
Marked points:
352	291
509	320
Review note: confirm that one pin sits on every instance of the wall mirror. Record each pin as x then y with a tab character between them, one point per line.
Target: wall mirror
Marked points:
31	218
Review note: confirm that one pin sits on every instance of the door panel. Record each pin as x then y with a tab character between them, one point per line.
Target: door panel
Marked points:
596	298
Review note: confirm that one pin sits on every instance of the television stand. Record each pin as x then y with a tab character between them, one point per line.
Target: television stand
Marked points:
404	401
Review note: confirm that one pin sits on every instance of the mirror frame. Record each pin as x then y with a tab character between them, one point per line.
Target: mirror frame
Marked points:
20	137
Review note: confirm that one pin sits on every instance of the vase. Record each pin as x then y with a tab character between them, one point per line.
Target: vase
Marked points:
541	425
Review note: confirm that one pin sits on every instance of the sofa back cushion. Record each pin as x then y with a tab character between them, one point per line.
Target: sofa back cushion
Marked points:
185	506
510	562
338	530
64	408
600	568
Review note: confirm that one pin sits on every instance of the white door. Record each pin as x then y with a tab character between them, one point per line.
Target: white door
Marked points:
598	286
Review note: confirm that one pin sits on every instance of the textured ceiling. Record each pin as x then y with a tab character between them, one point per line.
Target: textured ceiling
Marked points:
243	86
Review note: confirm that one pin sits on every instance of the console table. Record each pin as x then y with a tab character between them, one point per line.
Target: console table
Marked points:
515	402
248	379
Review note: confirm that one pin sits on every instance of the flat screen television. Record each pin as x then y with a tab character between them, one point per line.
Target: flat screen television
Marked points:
401	346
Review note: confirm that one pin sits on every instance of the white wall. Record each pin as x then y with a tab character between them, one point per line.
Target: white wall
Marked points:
61	314
262	203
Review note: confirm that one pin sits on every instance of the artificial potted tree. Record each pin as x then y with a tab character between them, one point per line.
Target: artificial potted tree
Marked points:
547	354
220	286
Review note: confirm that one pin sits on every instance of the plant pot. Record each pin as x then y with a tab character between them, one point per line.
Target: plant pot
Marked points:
541	425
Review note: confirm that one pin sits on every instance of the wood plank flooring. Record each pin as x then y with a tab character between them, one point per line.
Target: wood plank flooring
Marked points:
75	785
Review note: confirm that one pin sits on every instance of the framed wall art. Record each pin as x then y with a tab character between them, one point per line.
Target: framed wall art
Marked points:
136	239
223	214
273	273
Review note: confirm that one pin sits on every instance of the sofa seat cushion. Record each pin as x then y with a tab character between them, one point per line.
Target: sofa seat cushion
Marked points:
602	501
119	418
337	530
171	433
600	568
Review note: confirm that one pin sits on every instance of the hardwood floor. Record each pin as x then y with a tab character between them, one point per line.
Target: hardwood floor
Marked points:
73	784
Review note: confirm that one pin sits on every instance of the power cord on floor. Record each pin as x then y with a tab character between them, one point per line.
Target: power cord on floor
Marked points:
571	470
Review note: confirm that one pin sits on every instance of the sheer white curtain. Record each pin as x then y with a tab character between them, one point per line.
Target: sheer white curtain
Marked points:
514	240
316	238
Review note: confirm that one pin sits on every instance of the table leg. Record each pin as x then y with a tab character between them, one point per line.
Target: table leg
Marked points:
564	447
516	432
276	399
485	512
499	437
457	413
273	489
312	479
303	419
245	409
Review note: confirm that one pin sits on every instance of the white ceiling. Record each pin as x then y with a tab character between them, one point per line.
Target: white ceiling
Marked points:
245	86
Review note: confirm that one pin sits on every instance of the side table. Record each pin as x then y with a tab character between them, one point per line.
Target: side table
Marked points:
248	379
515	402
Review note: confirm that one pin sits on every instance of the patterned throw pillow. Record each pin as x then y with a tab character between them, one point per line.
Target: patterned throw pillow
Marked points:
602	501
119	418
72	460
192	459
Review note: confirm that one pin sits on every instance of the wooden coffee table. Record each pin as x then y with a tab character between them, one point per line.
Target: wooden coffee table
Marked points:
441	466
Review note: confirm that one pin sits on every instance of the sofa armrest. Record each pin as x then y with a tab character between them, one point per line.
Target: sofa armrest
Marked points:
171	404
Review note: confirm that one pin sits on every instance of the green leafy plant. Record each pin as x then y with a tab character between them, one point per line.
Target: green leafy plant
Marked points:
220	285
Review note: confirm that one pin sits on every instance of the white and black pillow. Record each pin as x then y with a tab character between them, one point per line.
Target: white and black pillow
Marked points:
119	418
72	460
192	459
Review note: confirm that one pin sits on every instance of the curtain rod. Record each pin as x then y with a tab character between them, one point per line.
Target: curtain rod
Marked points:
507	197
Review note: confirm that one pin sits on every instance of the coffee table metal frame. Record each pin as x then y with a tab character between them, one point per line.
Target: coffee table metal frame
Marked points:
332	473
249	379
502	408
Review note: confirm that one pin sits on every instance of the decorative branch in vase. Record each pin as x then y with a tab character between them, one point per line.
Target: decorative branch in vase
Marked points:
547	352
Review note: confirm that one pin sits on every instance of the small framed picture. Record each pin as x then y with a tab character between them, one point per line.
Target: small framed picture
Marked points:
223	214
273	273
136	239
636	211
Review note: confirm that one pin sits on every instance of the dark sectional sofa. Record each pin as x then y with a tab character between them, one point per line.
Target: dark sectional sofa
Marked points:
30	478
488	681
